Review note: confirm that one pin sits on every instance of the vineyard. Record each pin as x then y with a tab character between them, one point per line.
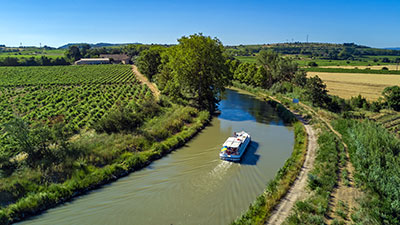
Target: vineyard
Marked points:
80	95
65	75
388	119
122	128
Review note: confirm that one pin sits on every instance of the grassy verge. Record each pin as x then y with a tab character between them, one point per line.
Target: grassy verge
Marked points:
341	70
260	210
321	182
375	154
113	156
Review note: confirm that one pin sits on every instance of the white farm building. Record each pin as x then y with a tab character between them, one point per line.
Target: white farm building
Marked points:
92	61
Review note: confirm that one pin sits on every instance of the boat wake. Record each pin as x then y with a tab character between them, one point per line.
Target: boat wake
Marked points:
220	170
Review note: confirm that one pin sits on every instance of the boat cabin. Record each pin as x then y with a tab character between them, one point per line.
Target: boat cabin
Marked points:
232	144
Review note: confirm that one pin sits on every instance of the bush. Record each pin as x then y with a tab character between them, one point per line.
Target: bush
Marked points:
122	119
392	97
313	181
312	64
375	106
358	102
282	87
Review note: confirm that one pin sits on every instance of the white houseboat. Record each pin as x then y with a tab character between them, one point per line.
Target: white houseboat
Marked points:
234	147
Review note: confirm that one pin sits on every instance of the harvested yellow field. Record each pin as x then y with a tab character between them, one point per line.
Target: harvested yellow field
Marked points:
346	85
390	67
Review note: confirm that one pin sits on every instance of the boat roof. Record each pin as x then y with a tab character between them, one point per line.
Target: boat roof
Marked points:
232	142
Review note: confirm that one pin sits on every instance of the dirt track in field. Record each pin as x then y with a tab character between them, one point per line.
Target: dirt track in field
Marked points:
146	81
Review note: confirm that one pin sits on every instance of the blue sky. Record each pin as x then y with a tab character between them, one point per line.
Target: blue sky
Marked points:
54	23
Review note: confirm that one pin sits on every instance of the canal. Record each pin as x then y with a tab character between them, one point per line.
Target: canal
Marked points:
191	185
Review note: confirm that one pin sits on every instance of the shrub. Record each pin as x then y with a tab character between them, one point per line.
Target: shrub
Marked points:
312	64
282	87
313	181
122	119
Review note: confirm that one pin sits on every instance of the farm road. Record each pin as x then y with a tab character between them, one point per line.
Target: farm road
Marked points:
146	81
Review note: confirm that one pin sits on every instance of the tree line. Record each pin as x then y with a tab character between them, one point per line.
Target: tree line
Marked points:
193	72
320	50
33	61
74	53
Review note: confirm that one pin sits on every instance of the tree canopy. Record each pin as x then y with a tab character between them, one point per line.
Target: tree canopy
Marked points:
392	97
195	71
73	53
316	91
149	60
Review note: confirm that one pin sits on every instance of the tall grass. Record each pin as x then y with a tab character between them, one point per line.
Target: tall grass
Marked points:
375	154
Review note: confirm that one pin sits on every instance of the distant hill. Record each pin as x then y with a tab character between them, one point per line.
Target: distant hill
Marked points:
97	45
320	50
395	48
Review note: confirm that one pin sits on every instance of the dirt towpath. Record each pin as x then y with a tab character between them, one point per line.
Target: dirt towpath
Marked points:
146	81
298	189
345	194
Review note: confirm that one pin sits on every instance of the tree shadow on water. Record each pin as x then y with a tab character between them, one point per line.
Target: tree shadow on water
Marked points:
250	156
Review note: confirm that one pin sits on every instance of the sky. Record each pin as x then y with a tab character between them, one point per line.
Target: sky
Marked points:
55	23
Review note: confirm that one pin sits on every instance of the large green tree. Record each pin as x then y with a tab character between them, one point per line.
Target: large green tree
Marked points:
73	53
316	91
276	68
195	71
149	60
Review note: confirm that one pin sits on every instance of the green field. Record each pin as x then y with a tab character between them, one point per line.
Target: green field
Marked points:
323	62
32	52
303	61
2	56
37	75
342	70
248	59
